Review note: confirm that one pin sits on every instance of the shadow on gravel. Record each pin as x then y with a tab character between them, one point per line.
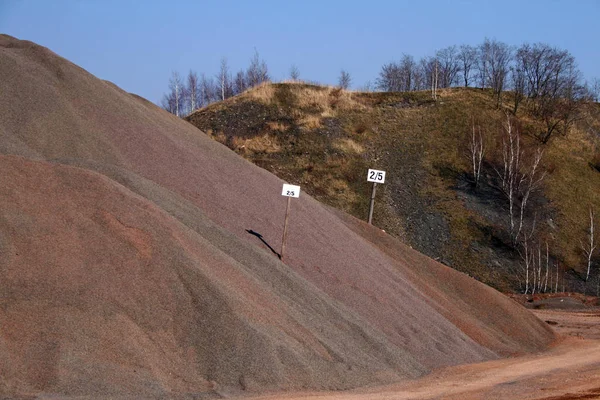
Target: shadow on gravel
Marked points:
258	235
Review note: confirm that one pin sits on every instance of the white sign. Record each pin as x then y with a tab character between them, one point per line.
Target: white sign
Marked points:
376	176
290	190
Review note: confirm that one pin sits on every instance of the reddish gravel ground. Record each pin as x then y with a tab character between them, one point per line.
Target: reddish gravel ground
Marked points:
569	370
128	269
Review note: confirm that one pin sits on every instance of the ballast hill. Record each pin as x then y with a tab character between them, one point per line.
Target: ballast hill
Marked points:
325	139
127	267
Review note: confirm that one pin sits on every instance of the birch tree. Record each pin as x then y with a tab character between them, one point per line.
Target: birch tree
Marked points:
225	81
173	100
518	180
476	152
193	92
589	246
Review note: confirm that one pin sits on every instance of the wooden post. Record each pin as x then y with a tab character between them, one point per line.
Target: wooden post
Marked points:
285	225
372	203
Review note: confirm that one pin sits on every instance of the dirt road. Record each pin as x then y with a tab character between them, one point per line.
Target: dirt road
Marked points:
569	370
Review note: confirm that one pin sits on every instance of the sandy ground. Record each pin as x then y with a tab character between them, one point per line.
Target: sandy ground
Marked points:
569	370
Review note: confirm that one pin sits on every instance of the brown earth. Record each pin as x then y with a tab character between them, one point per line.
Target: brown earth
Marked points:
127	268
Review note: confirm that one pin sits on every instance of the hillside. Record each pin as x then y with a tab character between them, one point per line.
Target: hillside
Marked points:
325	139
128	268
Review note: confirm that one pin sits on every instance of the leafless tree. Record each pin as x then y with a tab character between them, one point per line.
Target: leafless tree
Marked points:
595	91
483	57
556	283
590	245
239	82
399	77
173	101
547	269
207	90
193	92
518	85
498	57
434	78
367	87
467	57
527	251
294	73
430	74
257	71
553	83
224	80
344	79
407	70
517	179
449	66
389	78
476	152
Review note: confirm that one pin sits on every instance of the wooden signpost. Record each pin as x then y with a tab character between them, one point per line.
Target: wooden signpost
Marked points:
288	191
376	177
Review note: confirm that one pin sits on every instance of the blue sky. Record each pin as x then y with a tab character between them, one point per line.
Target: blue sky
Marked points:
136	44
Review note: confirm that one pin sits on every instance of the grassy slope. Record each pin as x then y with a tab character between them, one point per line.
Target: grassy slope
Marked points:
324	139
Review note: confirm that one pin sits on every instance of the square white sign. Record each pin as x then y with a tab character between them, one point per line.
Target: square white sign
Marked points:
376	176
290	190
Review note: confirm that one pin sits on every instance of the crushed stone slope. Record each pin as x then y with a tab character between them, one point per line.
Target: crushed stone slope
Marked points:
341	312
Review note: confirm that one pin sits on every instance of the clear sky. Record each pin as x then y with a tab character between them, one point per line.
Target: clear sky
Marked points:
136	44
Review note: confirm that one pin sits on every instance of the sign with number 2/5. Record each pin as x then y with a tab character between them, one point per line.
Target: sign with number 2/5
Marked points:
376	176
290	190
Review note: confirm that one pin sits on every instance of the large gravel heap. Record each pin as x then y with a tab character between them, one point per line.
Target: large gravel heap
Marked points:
127	268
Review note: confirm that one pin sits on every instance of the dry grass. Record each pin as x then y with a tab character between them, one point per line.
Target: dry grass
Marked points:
277	126
310	122
263	92
348	146
324	100
265	144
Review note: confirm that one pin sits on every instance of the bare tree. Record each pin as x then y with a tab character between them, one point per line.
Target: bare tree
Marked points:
553	83
557	277
595	91
476	152
547	268
344	80
367	87
434	78
239	82
207	90
294	73
224	80
518	180
173	101
483	57
518	85
407	72
590	245
399	77
389	78
193	92
527	253
499	56
467	57
449	66
257	71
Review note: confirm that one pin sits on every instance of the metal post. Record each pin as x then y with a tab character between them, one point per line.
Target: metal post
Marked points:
285	224
372	203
